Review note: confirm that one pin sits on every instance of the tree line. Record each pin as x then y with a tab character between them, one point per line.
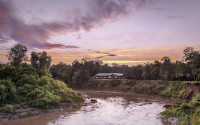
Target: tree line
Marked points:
80	72
188	69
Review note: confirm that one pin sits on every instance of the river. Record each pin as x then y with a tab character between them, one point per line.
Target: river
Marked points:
112	108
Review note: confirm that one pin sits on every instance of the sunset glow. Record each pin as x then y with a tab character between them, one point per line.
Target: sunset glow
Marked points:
126	32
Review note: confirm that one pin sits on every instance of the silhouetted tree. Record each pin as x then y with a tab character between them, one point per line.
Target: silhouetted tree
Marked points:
17	54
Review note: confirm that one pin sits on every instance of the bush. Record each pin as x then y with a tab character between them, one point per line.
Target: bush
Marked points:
30	90
8	72
60	89
9	108
184	106
198	77
143	88
188	113
172	90
197	98
45	92
7	92
40	97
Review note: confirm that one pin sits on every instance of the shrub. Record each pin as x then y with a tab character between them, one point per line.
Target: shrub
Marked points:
60	89
172	90
9	108
184	106
8	71
45	92
32	91
7	92
143	87
188	113
28	79
40	97
197	98
198	77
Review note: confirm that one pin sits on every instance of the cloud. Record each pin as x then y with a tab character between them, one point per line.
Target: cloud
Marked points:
4	48
51	46
3	39
37	35
99	57
111	55
101	52
177	17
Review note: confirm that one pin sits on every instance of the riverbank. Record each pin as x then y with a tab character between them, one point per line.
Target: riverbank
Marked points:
111	108
183	90
20	112
186	92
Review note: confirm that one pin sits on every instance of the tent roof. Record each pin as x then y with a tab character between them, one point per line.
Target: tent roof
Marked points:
109	74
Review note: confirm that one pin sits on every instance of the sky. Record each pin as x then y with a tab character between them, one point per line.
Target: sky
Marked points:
127	32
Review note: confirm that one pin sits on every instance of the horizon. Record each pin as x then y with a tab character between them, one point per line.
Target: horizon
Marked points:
127	32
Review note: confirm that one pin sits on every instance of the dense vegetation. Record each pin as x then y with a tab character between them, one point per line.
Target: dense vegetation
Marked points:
80	72
31	85
188	113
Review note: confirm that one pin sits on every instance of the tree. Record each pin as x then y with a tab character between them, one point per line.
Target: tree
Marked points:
35	60
41	62
155	70
17	54
166	70
147	72
62	72
192	58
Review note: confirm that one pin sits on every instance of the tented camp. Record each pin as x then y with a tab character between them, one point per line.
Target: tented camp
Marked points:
109	76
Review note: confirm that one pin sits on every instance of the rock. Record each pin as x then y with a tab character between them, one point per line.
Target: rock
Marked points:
93	101
167	106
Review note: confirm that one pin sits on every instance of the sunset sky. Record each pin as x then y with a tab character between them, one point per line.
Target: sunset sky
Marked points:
115	31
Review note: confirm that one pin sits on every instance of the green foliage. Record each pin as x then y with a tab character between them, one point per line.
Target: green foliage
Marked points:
134	72
45	92
173	112
34	86
33	91
172	90
62	72
8	108
8	71
115	83
41	97
81	71
41	62
17	54
188	113
198	77
184	106
125	87
7	92
142	87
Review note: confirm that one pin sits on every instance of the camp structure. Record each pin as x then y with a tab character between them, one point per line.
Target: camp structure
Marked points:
109	76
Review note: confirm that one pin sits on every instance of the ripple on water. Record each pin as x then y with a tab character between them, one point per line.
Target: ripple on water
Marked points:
117	110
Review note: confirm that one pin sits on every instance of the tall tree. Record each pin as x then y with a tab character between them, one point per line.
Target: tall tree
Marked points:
193	59
62	72
17	54
166	70
41	62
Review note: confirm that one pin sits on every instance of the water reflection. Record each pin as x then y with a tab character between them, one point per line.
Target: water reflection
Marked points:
112	108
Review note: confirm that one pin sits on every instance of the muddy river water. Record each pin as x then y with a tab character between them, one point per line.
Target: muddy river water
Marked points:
112	108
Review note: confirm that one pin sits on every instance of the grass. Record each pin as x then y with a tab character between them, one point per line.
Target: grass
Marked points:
188	113
8	108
